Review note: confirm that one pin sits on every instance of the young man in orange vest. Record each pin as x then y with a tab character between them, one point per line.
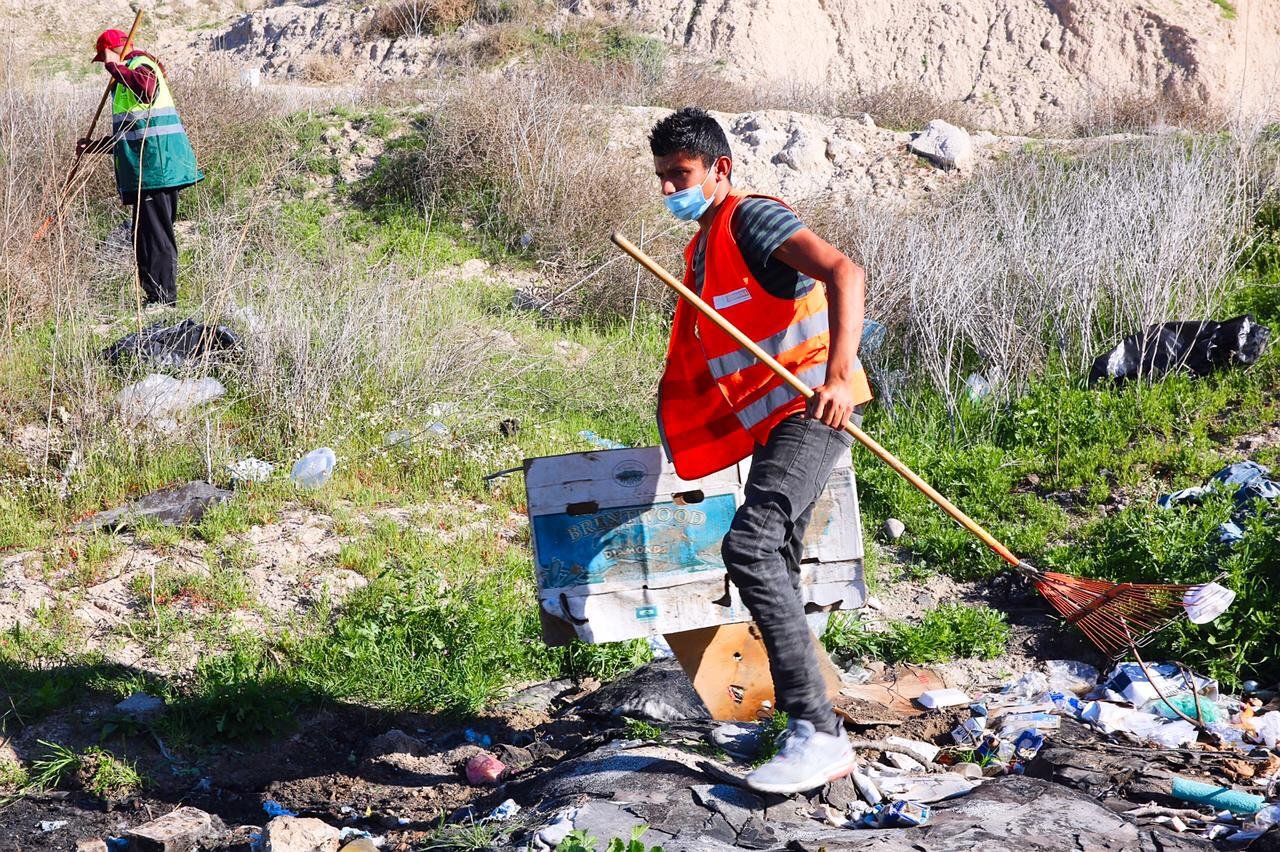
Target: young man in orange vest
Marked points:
802	301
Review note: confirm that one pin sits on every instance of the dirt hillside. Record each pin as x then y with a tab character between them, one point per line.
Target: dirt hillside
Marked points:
1021	63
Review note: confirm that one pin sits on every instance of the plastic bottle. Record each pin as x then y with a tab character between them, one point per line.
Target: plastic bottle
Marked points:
314	469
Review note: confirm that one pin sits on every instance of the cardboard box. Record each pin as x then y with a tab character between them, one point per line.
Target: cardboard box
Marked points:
624	548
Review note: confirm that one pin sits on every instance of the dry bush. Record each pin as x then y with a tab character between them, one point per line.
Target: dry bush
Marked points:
906	108
1137	112
1048	257
531	167
419	18
323	68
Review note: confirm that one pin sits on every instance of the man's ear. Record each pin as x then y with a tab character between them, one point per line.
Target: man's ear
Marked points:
724	167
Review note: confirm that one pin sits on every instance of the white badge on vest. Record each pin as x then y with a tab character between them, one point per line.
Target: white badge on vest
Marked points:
733	297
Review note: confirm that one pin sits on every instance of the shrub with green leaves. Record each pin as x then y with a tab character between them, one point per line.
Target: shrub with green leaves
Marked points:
945	633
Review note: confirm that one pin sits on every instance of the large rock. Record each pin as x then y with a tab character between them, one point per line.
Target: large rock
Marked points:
299	834
945	144
659	691
172	506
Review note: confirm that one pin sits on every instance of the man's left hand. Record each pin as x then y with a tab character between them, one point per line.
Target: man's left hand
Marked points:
832	403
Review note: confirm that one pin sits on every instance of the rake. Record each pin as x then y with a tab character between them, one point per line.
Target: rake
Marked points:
1114	616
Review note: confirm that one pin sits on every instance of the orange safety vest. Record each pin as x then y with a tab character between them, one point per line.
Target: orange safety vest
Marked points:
716	401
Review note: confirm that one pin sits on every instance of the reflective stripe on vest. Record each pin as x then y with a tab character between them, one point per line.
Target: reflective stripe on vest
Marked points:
134	116
787	339
147	132
757	412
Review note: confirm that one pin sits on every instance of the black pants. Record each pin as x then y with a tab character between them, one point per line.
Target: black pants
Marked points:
762	553
156	248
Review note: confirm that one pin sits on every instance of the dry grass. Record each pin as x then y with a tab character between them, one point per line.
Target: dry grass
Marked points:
323	68
1047	256
907	108
1138	112
419	18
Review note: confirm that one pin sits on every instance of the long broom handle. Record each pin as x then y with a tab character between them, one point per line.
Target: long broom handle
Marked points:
804	390
102	103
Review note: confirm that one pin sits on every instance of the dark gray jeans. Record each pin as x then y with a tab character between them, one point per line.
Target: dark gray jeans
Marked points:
762	554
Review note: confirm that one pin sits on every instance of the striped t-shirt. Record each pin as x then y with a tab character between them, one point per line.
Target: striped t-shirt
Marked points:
759	226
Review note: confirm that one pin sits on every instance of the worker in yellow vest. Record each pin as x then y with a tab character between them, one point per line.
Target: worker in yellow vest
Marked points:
802	301
153	160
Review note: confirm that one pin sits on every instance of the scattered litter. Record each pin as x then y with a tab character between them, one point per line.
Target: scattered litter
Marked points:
49	825
937	698
314	469
1251	482
503	812
922	751
873	337
660	648
600	443
550	835
904	814
927	788
159	400
274	809
866	788
1206	603
172	346
250	470
970	732
977	387
1199	347
1186	704
1128	682
1028	685
1267	727
436	430
1215	795
483	769
1267	817
397	438
967	770
1070	676
476	738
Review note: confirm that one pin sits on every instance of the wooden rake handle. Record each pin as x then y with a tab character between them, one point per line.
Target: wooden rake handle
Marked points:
804	390
75	164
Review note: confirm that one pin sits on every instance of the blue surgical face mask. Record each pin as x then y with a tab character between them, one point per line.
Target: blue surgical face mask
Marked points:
688	204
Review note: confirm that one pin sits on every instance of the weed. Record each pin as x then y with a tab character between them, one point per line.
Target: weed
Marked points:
638	729
771	738
1228	9
49	771
107	776
945	633
465	837
13	776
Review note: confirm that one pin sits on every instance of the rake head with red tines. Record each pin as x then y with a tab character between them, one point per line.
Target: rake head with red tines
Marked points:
1114	616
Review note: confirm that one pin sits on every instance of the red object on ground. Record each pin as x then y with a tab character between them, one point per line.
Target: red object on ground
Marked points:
483	769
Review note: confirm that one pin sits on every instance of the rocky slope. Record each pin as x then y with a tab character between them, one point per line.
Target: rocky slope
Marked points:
1020	63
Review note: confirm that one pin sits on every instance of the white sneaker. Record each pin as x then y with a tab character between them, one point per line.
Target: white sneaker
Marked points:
808	759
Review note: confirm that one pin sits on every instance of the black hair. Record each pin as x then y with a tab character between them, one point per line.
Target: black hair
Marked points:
692	131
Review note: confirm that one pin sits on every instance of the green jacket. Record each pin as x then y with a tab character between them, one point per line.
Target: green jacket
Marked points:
153	133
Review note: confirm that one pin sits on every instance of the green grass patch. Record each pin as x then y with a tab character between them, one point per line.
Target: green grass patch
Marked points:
1228	9
946	633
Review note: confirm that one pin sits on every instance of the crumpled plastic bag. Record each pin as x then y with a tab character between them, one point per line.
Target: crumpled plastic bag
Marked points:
1198	346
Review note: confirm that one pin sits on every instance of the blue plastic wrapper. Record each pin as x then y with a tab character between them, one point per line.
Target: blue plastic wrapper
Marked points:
275	809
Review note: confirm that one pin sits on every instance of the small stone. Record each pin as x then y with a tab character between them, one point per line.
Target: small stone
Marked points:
893	529
91	844
299	834
141	707
176	831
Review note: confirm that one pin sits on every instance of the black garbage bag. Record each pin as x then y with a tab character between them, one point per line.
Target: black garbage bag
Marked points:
178	345
1197	346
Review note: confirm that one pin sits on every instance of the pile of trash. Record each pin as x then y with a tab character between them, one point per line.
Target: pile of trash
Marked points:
1000	733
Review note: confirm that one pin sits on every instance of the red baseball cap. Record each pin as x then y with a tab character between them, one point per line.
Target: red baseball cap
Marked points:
110	40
